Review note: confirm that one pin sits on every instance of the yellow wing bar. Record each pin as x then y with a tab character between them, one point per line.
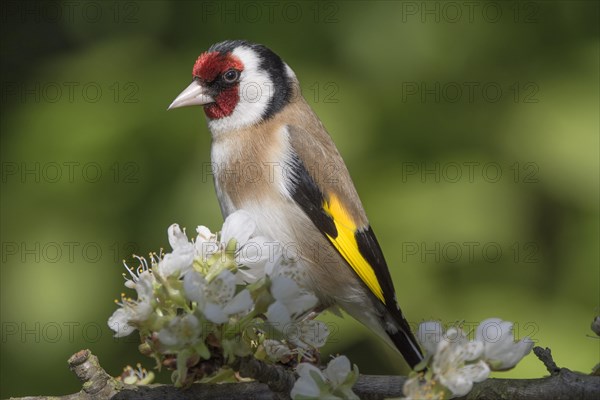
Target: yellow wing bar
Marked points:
346	245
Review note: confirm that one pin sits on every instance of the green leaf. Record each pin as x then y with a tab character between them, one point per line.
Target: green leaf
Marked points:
182	369
202	350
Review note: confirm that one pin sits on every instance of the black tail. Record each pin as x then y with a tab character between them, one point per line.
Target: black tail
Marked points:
404	340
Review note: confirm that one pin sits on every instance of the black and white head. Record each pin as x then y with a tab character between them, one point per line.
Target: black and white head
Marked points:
239	84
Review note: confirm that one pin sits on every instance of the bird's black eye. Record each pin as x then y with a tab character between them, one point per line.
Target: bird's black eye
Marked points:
231	76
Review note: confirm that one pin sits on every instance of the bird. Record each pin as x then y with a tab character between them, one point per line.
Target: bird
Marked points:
272	157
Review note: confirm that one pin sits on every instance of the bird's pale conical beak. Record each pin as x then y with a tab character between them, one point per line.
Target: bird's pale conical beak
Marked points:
193	95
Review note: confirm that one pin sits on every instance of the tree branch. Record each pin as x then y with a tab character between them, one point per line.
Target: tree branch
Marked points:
274	382
278	379
545	356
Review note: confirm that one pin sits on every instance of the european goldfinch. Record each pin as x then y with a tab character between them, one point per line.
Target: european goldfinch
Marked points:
273	158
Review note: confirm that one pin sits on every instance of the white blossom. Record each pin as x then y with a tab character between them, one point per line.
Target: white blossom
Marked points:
450	362
204	236
337	370
307	384
283	264
251	251
252	257
216	299
181	331
455	363
418	388
430	334
199	281
335	382
180	259
276	350
500	350
119	322
238	226
133	312
312	333
290	301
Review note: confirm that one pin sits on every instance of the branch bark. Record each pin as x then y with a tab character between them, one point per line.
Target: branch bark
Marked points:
273	382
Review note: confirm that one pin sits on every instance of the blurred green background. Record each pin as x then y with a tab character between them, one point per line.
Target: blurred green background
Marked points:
471	133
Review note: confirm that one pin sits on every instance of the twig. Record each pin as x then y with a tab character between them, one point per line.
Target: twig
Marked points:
96	382
545	356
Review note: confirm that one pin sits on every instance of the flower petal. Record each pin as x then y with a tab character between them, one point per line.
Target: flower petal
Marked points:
477	372
119	323
457	384
253	256
221	289
180	331
278	315
301	304
337	370
314	333
204	234
430	333
177	238
205	243
239	226
176	263
276	350
214	313
283	288
144	286
240	303
500	350
472	350
194	285
306	385
295	299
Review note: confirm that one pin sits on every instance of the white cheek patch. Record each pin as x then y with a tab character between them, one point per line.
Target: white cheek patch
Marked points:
255	92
